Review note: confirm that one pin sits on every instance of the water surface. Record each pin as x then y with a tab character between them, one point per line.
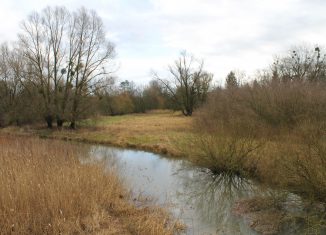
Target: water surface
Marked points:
201	200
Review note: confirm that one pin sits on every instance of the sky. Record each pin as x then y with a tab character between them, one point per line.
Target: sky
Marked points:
149	35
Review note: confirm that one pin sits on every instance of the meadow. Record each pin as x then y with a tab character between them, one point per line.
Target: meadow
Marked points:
159	131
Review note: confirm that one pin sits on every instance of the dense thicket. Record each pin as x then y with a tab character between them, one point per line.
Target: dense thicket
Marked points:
273	127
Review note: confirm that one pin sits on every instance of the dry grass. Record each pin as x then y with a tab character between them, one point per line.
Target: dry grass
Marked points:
44	189
160	131
285	120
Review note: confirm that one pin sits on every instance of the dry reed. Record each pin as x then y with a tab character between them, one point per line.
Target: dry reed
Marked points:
44	189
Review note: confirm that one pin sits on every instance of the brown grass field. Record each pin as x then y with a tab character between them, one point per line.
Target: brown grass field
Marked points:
44	189
160	131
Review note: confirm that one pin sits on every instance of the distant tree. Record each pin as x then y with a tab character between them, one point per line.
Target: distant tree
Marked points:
122	103
19	100
189	83
11	75
135	95
231	80
154	97
301	64
127	86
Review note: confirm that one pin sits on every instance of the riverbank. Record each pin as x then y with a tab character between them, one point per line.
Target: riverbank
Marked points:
45	188
174	135
170	133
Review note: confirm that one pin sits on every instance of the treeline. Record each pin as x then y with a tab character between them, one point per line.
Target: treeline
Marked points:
272	127
21	102
125	97
60	70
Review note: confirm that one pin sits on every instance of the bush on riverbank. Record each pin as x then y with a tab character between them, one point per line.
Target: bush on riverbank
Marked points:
284	119
44	189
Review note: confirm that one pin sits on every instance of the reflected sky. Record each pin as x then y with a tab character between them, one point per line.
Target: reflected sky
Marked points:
203	201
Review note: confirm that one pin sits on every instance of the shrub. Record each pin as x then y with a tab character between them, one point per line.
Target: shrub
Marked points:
282	122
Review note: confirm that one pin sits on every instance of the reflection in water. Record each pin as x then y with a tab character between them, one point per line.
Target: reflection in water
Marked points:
202	200
212	198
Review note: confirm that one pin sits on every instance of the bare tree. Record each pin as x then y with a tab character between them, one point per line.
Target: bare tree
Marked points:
188	84
87	63
11	74
301	64
55	22
68	55
41	40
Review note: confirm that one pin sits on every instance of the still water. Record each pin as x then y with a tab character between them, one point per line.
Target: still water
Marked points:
199	199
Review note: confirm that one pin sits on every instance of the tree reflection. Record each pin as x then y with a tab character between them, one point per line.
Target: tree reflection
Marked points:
212	197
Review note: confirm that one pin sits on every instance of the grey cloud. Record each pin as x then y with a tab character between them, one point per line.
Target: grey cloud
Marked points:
150	29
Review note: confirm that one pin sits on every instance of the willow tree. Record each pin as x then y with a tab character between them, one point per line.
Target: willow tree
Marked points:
41	41
92	53
188	82
68	53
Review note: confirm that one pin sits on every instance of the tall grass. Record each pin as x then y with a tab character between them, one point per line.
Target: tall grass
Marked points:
286	121
44	189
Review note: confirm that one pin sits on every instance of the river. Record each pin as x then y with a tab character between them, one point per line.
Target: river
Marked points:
201	200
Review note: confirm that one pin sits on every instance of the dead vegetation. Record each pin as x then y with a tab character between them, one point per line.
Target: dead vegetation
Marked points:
44	189
280	125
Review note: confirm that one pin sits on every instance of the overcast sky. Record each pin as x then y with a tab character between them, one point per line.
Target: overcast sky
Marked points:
227	34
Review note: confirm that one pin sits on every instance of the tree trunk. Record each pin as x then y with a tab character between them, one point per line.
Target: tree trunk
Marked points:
18	122
49	121
59	122
73	125
187	112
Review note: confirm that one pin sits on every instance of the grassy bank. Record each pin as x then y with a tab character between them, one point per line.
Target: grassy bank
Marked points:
44	189
160	131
